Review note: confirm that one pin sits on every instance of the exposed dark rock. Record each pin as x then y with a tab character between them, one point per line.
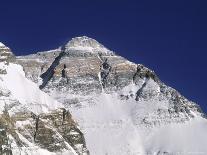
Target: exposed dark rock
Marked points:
50	72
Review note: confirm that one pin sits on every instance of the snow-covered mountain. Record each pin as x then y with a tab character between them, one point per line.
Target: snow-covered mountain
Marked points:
122	108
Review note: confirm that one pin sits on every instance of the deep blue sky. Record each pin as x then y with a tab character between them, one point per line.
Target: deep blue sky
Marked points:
169	37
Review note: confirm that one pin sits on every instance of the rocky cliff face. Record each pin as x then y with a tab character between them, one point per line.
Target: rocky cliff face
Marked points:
115	102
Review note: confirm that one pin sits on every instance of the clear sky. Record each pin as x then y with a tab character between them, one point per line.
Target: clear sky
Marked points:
169	37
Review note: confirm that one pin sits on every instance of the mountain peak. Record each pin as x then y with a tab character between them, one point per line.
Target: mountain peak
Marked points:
85	44
1	44
5	52
84	41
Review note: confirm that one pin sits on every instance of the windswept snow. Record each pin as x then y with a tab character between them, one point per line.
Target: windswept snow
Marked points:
108	127
187	138
25	91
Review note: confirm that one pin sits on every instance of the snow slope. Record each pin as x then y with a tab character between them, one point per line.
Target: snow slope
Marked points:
25	91
109	128
186	138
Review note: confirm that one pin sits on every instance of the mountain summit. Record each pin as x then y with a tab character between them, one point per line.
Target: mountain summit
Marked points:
85	44
84	41
118	107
